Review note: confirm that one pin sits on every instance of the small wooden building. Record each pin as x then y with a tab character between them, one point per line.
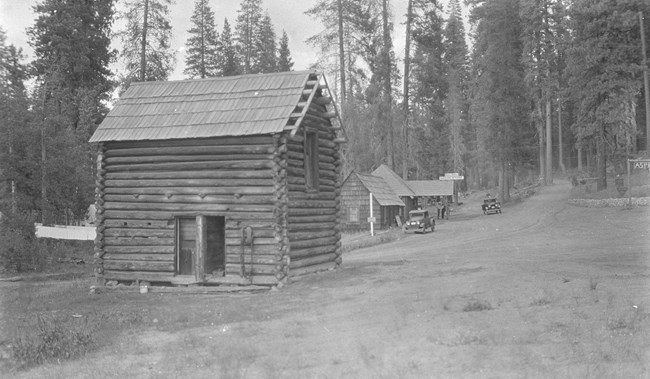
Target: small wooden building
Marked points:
219	181
432	188
355	202
399	187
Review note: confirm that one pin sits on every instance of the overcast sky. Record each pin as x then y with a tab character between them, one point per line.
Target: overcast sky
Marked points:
17	15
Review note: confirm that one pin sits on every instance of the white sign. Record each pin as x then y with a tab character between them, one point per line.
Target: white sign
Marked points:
452	176
643	165
372	219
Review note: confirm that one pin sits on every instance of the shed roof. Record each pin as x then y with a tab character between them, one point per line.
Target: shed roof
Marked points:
214	107
397	184
431	187
380	190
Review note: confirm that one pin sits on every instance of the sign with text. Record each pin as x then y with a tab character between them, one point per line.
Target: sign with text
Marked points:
451	176
642	164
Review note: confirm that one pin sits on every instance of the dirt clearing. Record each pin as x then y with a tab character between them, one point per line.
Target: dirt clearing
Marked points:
543	290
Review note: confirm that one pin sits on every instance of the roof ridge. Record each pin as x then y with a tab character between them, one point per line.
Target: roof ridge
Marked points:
218	78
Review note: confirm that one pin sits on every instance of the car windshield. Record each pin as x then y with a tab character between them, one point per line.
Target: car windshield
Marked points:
416	215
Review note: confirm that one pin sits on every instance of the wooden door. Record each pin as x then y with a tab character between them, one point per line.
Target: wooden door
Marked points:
185	245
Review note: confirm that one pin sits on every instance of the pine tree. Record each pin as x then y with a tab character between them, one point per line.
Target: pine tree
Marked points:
229	63
500	88
284	55
249	18
267	60
18	138
71	41
455	57
146	49
385	70
542	22
203	45
349	36
429	89
604	71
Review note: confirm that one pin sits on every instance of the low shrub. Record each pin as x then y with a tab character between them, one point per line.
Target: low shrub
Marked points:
55	339
20	250
477	306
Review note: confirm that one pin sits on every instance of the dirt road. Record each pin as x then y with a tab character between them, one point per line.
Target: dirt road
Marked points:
543	290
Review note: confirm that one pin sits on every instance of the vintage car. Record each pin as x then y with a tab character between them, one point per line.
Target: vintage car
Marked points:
419	221
491	205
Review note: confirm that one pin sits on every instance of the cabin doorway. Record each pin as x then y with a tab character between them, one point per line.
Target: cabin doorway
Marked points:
200	245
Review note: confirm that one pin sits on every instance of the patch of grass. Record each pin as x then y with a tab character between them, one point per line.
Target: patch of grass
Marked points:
475	305
55	339
540	301
626	321
352	241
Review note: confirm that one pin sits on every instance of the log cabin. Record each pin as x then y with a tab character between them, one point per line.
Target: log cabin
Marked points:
356	202
220	181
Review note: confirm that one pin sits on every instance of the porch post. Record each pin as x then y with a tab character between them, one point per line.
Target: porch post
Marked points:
372	224
201	248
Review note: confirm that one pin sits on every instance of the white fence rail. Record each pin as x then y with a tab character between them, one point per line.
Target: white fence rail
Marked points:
62	232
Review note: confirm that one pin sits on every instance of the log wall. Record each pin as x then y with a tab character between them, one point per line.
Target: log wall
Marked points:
143	186
313	214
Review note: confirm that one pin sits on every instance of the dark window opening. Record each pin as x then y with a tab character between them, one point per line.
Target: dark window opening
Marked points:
215	260
311	160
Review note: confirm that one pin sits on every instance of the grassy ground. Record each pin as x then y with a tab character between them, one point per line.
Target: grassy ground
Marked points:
540	291
640	188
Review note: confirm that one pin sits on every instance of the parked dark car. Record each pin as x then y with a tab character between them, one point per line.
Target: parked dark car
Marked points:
419	221
491	205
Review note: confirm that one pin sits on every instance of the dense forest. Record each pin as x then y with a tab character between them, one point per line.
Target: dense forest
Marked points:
516	91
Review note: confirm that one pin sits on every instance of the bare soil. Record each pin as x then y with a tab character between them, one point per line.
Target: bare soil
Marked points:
544	290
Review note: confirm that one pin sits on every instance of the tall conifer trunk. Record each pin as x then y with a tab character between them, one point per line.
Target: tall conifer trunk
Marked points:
560	138
601	164
540	133
549	144
407	63
341	52
143	51
388	101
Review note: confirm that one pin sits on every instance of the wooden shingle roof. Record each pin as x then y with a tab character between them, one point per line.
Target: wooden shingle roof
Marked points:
431	187
397	184
214	107
380	190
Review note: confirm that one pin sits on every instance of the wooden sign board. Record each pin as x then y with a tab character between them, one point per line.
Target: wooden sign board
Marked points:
642	164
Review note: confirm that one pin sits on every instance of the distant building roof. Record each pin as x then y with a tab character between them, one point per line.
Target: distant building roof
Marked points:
397	184
214	107
431	187
380	190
